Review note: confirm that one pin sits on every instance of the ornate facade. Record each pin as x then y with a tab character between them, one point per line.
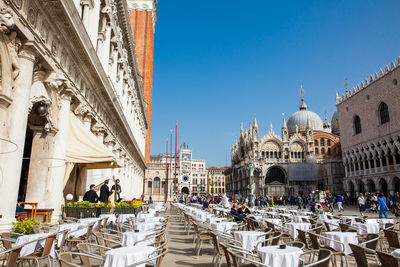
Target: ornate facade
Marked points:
369	117
288	164
72	105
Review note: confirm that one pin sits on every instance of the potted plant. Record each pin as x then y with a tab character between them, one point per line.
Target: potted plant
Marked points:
25	227
103	207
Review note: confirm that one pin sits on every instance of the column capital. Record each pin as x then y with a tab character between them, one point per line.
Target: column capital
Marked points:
66	94
28	52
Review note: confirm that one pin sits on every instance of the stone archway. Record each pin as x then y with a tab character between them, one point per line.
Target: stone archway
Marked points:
361	187
275	174
351	188
371	186
396	184
383	186
185	190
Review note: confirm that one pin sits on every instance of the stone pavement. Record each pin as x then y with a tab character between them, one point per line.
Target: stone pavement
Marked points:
181	247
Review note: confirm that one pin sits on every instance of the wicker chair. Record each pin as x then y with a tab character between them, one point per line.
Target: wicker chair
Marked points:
360	256
10	256
219	252
323	258
65	259
84	238
234	257
392	239
387	259
317	246
201	235
44	254
302	236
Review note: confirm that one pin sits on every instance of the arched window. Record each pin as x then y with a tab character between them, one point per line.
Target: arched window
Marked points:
322	151
357	124
315	142
156	182
328	142
322	142
384	113
316	151
149	184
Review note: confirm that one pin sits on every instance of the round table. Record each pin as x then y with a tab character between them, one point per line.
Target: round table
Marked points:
366	228
75	230
141	216
343	237
249	239
127	255
124	217
130	238
146	226
274	256
223	226
28	249
291	228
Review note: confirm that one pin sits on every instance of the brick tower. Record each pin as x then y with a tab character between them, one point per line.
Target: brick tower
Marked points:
143	17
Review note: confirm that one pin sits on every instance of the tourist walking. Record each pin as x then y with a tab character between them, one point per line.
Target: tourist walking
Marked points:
299	201
339	202
361	203
382	207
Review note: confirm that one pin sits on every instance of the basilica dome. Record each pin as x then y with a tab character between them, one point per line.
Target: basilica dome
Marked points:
335	124
300	117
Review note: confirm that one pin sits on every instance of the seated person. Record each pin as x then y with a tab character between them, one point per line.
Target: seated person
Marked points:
91	195
236	215
207	204
244	210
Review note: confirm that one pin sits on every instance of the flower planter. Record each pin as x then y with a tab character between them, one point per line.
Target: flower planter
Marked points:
105	210
124	210
81	212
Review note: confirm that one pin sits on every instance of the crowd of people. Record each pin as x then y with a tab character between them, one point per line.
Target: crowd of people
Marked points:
315	201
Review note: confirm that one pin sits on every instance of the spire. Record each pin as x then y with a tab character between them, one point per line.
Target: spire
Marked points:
326	123
308	124
271	127
302	106
250	128
284	122
346	84
337	96
255	125
241	127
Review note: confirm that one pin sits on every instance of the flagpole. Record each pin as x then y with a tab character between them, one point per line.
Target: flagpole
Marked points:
170	158
176	143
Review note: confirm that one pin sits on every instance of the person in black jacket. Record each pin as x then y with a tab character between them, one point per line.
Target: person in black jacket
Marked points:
105	192
235	213
91	195
244	210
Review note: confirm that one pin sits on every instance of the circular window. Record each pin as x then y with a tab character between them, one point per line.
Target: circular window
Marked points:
185	178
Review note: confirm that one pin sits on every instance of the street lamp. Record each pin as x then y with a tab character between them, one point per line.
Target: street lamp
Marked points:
251	167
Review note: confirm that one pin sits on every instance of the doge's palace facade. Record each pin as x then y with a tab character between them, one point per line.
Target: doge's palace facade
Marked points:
72	106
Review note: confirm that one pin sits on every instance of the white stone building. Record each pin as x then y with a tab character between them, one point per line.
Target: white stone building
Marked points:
72	107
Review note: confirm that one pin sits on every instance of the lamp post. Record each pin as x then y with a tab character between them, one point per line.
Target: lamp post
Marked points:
251	167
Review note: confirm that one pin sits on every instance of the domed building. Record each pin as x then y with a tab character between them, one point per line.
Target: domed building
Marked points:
305	157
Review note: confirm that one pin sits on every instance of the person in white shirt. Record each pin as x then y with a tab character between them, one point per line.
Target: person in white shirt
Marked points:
361	204
225	201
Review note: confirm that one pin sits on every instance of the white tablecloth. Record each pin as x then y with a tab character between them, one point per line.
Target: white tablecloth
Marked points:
276	222
366	228
299	219
89	221
111	218
141	216
223	226
273	256
146	226
28	249
124	217
333	223
352	218
131	237
153	219
75	230
125	256
291	228
342	237
249	239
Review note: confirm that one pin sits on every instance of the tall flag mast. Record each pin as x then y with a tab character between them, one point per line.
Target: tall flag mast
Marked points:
176	142
170	158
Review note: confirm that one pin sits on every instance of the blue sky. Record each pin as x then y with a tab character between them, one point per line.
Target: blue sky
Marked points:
217	63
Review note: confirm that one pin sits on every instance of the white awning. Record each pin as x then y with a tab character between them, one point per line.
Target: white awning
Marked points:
83	147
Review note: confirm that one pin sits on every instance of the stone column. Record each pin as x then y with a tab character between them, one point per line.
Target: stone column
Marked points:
387	160
39	166
394	158
54	193
85	15
17	117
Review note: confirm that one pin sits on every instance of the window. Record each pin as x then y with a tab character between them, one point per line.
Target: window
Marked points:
322	151
163	185
156	182
329	151
322	142
149	184
328	142
357	124
315	142
316	151
384	113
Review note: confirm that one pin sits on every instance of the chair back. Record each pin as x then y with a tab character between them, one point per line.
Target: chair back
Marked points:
13	256
250	224
276	236
271	225
302	237
65	259
314	241
84	249
372	244
387	259
6	240
48	245
90	230
105	220
100	241
162	254
64	238
324	256
328	227
99	224
392	238
359	255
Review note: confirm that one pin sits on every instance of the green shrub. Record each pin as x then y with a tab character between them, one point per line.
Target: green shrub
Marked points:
25	227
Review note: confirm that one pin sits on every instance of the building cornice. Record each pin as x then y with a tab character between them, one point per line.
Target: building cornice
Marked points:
145	5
